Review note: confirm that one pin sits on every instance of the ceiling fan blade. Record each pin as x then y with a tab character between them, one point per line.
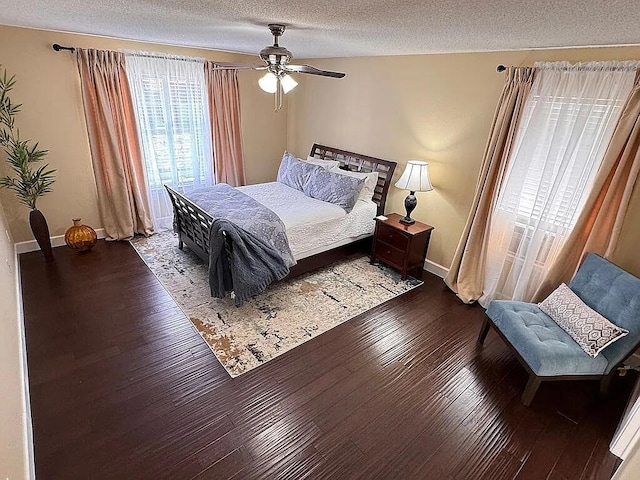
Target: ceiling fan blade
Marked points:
239	66
313	71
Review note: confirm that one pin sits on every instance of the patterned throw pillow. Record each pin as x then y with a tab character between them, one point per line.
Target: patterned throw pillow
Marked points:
338	189
370	181
294	172
587	327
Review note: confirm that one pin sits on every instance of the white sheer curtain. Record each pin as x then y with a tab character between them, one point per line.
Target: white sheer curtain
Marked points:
170	99
566	126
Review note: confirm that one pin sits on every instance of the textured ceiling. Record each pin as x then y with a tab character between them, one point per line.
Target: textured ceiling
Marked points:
342	28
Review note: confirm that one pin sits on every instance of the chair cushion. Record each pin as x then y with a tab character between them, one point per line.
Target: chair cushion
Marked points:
543	345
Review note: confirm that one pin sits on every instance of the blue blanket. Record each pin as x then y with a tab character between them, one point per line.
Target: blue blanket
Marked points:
257	252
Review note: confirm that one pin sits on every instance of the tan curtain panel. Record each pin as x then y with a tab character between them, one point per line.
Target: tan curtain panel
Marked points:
598	227
224	108
113	139
466	274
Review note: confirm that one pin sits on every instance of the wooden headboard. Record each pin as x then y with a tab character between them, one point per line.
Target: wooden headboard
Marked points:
357	162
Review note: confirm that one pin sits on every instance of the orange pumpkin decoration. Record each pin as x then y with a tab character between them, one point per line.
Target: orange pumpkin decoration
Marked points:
80	237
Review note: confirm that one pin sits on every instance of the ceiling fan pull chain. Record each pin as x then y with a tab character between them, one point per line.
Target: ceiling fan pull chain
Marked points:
278	95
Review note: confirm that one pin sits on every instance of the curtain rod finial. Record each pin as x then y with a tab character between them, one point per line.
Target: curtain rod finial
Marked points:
57	47
501	68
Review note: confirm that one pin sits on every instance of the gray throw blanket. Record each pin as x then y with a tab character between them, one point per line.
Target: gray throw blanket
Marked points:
247	269
259	250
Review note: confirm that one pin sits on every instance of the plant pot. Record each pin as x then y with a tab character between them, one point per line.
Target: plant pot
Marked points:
40	231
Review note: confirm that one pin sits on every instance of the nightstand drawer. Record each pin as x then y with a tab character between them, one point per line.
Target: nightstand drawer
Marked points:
389	253
392	236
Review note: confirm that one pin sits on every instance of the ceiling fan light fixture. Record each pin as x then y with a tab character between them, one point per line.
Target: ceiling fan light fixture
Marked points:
288	83
276	61
269	83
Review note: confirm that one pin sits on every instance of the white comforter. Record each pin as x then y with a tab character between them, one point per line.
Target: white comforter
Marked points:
312	225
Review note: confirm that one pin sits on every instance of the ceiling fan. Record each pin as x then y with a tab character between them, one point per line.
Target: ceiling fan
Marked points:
276	62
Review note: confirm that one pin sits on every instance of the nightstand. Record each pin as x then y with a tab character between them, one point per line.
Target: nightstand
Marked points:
401	246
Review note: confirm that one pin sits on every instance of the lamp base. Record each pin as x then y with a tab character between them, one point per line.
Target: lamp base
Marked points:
409	204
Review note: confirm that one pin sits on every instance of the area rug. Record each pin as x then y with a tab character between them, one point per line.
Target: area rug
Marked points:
284	316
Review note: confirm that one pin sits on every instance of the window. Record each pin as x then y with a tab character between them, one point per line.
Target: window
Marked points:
170	98
550	183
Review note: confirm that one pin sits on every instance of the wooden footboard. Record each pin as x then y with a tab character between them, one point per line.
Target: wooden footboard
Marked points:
191	223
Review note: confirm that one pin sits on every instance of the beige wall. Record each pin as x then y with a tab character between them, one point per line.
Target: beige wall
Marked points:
12	416
436	108
48	88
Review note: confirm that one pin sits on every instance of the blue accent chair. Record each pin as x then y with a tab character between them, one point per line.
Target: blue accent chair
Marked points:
547	352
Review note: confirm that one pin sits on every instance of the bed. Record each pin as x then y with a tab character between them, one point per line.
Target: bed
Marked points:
321	236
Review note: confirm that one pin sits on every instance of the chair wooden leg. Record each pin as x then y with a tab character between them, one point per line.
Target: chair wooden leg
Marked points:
530	390
605	382
180	244
483	331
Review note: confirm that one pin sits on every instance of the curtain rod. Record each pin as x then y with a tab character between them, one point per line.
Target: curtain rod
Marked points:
636	64
180	58
57	47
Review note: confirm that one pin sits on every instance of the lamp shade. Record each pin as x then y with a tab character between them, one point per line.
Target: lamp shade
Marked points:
415	177
269	83
288	83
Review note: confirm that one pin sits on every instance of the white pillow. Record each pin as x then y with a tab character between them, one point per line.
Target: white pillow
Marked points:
587	327
326	164
370	181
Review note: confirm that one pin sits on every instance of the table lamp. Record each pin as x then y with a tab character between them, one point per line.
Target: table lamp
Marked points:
415	178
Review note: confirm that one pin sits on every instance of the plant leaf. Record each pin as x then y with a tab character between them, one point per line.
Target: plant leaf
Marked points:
27	182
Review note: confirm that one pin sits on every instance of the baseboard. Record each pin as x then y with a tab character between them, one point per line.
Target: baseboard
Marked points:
27	425
436	269
57	241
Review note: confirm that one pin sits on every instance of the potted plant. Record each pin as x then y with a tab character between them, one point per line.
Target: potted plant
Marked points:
27	180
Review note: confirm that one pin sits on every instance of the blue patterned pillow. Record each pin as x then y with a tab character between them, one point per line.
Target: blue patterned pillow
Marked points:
587	327
340	190
295	173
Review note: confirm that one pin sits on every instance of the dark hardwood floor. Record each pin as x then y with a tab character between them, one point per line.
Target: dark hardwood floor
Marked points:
123	387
